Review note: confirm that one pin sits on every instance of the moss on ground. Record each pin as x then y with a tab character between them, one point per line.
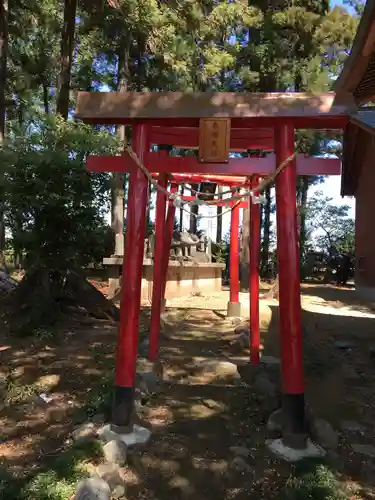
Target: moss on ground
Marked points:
314	480
58	482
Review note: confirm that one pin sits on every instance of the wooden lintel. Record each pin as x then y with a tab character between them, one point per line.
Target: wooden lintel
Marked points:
106	107
188	137
190	165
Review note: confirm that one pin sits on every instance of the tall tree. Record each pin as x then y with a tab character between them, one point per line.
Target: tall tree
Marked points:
3	64
66	58
266	223
3	81
193	224
219	226
118	179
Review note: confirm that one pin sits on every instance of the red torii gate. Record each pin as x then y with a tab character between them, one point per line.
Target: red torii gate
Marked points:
161	163
154	113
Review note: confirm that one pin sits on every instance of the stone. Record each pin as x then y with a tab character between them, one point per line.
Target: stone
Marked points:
263	385
149	382
3	386
139	435
84	432
368	469
269	360
351	426
119	492
143	347
98	418
240	451
349	373
146	366
110	473
212	404
48	382
241	341
364	449
115	452
105	433
324	433
288	454
239	464
3	382
220	369
235	321
344	344
242	328
275	421
93	488
244	339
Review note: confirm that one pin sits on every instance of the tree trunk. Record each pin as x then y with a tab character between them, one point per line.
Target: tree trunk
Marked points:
193	214
3	64
181	224
45	98
302	214
266	231
244	250
273	292
66	58
148	211
219	222
118	179
3	77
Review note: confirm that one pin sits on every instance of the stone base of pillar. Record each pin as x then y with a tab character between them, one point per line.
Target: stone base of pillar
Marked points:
136	435
279	448
234	309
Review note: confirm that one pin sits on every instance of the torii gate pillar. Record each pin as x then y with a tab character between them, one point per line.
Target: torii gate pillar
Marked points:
294	431
254	253
127	343
234	304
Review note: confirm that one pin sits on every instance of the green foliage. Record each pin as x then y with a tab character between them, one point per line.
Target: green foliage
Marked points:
334	228
58	482
314	481
55	208
101	400
141	45
220	251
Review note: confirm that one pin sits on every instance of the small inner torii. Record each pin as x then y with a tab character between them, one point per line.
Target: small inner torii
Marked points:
216	124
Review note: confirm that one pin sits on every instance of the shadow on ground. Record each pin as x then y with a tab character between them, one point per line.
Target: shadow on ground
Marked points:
197	418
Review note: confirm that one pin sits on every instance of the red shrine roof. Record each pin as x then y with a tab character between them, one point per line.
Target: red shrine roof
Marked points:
358	75
358	79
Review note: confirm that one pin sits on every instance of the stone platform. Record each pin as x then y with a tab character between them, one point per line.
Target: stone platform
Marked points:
184	277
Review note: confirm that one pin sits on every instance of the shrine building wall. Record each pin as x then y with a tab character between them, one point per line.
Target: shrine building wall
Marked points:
365	226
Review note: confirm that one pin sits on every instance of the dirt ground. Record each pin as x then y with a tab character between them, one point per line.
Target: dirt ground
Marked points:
196	419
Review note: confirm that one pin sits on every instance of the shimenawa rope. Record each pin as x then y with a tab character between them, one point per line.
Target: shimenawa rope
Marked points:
179	201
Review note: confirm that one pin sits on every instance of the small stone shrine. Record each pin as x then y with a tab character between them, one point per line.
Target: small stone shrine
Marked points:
190	270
